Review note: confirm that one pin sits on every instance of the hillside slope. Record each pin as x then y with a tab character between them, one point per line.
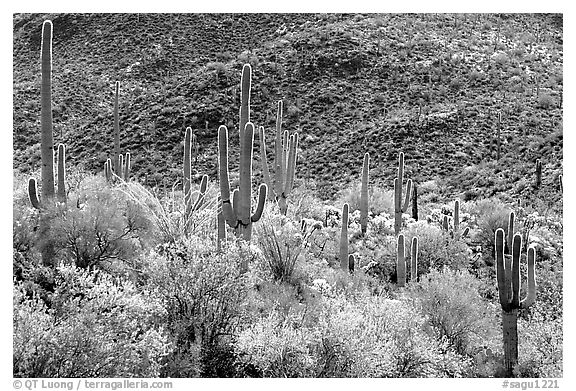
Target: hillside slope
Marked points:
429	85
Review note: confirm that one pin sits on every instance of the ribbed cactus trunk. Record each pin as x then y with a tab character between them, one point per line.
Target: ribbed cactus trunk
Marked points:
508	276
344	261
286	148
47	139
538	174
400	261
400	208
117	154
61	173
236	209
364	193
414	202
187	185
414	259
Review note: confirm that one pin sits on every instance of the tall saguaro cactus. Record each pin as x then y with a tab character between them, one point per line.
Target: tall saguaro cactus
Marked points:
508	276
47	139
538	173
61	173
400	261
364	193
414	259
117	155
400	208
236	209
457	232
286	149
344	259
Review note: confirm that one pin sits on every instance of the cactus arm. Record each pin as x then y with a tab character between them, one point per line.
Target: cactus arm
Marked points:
531	296
116	131
187	170
457	218
61	173
221	226
285	153
245	186
503	289
108	170
127	167
364	193
236	203
265	171
245	86
397	221
445	224
515	275
408	193
261	201
510	230
33	193
344	238
291	164
414	259
47	139
400	261
279	177
227	210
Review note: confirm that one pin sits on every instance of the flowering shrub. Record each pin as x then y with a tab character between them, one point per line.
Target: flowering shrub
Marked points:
452	305
203	294
94	326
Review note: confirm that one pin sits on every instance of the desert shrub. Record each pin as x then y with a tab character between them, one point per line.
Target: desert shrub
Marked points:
488	215
274	348
203	294
451	304
541	346
436	249
282	242
100	227
369	336
94	326
379	199
545	101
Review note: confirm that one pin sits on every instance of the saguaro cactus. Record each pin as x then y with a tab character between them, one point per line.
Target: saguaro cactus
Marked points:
47	139
508	276
117	155
237	210
457	232
414	259
364	193
344	262
400	261
414	201
61	173
189	206
400	208
286	148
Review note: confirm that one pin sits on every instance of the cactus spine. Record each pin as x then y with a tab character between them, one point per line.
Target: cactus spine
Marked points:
236	211
344	261
508	276
286	148
47	139
364	193
400	208
400	261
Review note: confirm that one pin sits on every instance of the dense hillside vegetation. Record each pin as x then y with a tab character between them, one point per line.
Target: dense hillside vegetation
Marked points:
405	220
